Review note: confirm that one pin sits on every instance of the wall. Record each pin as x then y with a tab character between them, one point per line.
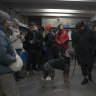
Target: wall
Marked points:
25	20
93	18
12	13
66	21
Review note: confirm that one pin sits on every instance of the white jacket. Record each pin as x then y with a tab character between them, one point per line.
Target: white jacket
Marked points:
16	42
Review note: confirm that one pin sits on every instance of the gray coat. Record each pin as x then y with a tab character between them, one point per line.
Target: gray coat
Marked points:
7	55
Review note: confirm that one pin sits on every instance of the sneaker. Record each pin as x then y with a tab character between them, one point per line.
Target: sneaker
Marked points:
85	81
48	78
90	77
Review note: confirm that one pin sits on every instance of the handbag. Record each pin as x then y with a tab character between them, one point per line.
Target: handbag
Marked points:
17	65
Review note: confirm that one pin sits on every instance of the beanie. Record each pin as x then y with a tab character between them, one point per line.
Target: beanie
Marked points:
3	16
48	27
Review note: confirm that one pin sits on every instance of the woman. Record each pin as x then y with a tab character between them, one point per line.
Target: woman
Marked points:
62	39
48	43
7	56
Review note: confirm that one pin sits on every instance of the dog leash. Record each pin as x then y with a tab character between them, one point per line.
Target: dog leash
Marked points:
74	66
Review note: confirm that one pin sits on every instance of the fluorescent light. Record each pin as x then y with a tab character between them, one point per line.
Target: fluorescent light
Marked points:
79	0
55	11
54	14
59	14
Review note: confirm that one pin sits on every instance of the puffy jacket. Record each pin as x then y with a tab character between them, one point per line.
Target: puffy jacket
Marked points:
63	37
16	42
7	55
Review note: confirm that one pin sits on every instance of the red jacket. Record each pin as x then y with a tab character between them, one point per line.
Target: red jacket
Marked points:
62	39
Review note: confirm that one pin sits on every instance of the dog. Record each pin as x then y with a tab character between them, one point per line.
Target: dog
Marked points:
61	63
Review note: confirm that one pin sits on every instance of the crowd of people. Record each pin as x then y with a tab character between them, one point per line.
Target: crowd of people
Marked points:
44	49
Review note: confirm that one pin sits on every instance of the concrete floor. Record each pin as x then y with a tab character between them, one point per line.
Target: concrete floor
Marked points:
31	86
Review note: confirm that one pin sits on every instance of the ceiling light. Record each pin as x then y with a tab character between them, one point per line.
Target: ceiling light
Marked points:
79	0
55	11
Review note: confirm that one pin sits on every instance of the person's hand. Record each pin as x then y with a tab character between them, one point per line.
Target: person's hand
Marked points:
43	43
59	43
63	41
72	50
31	41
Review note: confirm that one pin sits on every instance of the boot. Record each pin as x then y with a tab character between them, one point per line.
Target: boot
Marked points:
85	81
90	76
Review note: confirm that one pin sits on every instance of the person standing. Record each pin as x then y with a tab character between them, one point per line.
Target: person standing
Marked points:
17	38
94	54
62	39
49	55
49	42
84	43
7	56
33	42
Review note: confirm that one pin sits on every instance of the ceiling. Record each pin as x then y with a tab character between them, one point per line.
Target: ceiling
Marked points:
55	8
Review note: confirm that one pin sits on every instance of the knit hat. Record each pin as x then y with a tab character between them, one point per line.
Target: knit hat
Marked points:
3	16
48	27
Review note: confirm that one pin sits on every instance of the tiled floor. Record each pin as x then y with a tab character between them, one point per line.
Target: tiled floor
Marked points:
31	86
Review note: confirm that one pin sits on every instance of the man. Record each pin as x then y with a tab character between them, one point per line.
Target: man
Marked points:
33	42
84	42
94	54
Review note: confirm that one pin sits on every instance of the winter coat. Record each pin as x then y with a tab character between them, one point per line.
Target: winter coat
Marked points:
7	55
16	42
63	37
49	39
84	43
37	37
49	42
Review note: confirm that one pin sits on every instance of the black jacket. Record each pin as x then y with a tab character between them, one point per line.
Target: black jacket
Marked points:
84	42
36	36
